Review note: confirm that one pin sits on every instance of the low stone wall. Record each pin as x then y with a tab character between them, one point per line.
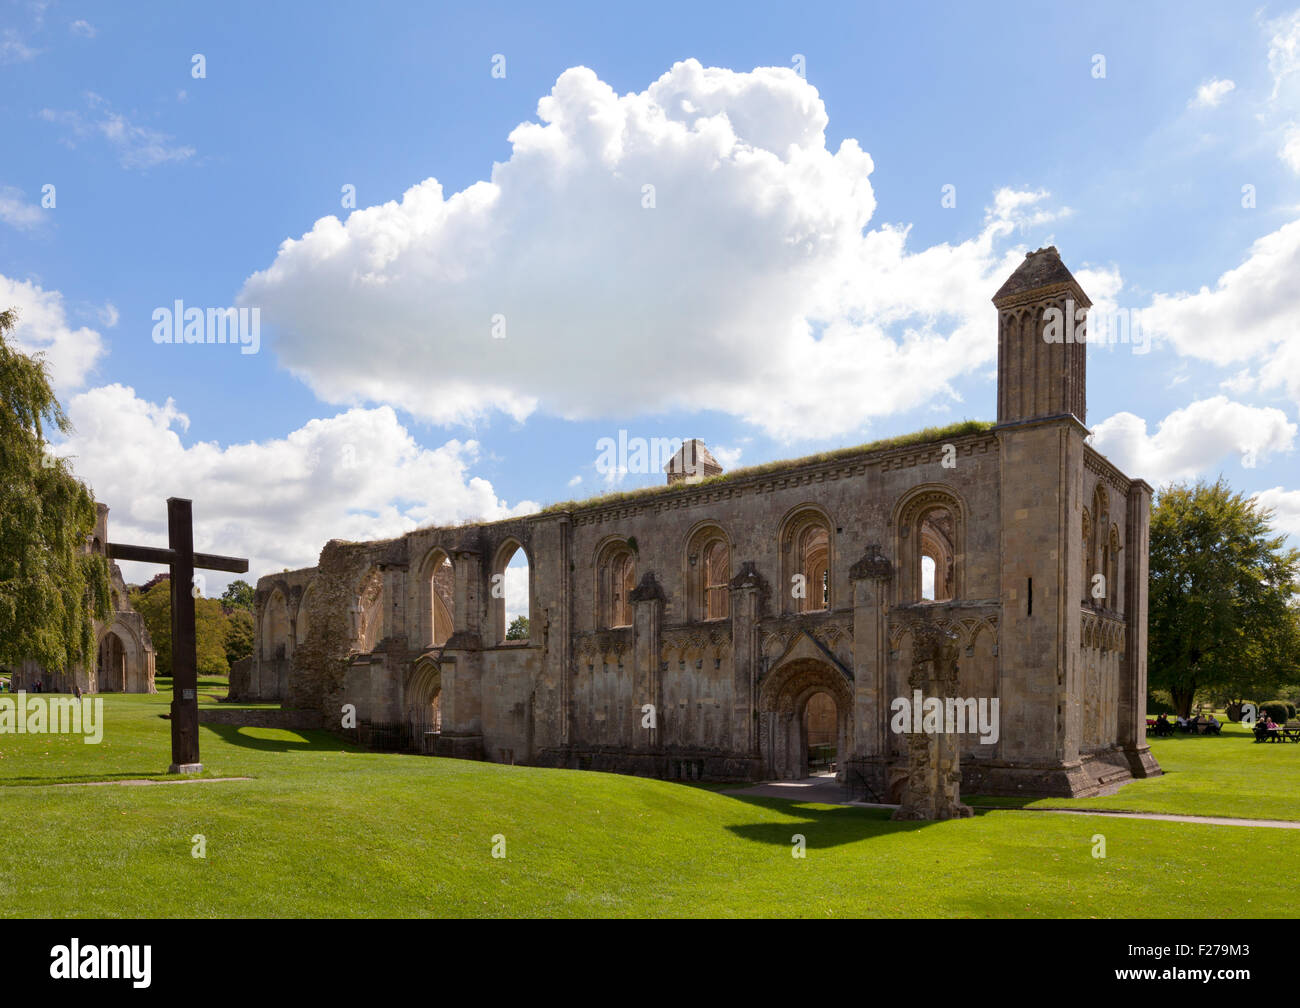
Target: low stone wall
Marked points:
294	720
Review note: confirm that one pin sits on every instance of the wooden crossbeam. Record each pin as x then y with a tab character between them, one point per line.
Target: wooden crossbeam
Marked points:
180	558
166	557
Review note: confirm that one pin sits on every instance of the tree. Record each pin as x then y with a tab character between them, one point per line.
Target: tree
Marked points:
52	587
239	635
1222	614
238	595
211	629
518	629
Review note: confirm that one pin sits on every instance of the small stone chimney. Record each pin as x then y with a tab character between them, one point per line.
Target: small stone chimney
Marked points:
692	463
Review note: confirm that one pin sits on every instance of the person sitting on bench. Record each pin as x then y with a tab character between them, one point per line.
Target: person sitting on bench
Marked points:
1213	726
1163	727
1266	729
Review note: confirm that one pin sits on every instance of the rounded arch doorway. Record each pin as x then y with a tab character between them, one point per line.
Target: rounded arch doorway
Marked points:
805	720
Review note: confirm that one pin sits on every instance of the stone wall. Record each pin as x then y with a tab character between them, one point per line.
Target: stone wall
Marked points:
1022	516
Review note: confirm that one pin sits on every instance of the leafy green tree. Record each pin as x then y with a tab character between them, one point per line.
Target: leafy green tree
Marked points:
51	586
1222	615
239	635
238	595
211	629
518	629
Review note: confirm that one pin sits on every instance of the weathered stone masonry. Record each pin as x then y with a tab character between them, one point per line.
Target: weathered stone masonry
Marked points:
728	603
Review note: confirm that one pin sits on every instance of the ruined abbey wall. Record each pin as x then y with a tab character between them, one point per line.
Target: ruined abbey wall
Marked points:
682	631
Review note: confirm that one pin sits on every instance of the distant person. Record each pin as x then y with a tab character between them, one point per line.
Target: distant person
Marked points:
1163	727
1213	725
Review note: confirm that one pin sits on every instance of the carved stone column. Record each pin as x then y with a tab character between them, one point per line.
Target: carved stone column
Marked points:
748	591
870	577
647	600
933	788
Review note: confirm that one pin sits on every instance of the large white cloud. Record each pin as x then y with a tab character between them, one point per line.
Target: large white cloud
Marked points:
359	475
749	286
1251	314
1194	440
1286	509
43	326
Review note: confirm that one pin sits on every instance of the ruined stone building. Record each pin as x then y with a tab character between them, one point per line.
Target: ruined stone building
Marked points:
124	660
720	625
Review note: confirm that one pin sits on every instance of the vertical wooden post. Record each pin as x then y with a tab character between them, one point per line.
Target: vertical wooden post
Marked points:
185	683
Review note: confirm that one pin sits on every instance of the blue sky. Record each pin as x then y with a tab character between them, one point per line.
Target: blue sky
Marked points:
797	284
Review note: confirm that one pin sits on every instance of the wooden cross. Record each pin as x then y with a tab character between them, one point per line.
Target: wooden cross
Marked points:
182	560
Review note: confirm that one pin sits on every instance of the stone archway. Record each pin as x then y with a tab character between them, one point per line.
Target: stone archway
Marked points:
110	674
782	715
424	701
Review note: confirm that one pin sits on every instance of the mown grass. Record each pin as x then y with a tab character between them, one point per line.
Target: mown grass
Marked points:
1210	775
325	830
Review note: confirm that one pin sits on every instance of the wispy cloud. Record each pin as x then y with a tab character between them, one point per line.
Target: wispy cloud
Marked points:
13	49
17	212
1284	49
137	146
1211	93
83	28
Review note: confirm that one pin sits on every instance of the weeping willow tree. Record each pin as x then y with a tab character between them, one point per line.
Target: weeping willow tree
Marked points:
51	585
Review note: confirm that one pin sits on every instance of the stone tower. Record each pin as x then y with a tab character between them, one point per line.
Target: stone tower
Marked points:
1042	356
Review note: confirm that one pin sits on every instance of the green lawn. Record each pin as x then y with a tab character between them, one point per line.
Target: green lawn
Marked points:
1224	775
325	830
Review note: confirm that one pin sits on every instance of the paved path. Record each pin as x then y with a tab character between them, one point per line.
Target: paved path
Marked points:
826	791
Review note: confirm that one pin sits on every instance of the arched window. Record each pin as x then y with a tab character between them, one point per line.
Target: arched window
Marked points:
367	612
1098	591
1085	557
1112	569
616	579
437	594
708	573
806	561
931	533
510	593
938	548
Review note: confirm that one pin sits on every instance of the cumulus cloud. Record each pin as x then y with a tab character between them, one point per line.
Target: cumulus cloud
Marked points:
136	146
694	245
1194	440
1286	509
1211	93
359	475
43	326
1251	315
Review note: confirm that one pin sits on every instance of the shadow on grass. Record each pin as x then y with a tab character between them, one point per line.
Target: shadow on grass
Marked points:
822	827
307	741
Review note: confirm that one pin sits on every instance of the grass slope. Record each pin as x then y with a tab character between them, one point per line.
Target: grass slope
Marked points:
324	830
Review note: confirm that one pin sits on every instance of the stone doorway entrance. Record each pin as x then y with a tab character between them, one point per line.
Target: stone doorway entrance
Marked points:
424	704
804	720
111	670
